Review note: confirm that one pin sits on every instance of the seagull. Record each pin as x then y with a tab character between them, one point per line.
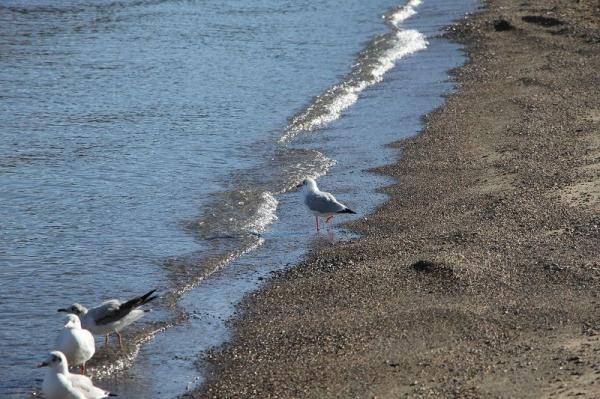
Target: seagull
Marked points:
111	316
75	343
320	203
60	384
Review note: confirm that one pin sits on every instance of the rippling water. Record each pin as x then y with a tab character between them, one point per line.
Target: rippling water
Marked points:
157	143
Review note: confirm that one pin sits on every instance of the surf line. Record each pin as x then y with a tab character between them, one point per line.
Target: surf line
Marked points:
379	56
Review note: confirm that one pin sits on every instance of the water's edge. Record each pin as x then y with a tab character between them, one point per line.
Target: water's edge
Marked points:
204	362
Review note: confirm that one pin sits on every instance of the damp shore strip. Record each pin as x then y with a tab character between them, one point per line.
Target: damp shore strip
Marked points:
480	276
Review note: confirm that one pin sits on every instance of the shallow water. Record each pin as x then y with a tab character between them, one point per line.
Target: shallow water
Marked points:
156	144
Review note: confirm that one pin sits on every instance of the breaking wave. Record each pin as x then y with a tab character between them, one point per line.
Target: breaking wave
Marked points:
379	56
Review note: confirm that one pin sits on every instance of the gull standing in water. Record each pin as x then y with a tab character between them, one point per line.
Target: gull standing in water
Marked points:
75	343
111	316
60	384
320	203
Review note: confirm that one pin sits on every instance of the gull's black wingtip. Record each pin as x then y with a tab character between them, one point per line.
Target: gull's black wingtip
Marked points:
147	294
140	300
147	297
153	297
347	210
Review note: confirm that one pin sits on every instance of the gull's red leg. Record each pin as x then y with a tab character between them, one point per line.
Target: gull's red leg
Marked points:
120	340
330	227
317	220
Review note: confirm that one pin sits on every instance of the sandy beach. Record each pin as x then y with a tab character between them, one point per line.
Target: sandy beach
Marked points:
480	276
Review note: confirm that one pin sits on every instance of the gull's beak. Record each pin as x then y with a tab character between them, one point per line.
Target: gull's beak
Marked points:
62	310
299	185
42	364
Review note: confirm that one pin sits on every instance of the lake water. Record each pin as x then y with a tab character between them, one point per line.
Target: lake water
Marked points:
156	144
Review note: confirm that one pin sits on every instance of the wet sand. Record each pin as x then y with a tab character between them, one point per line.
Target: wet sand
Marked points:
480	276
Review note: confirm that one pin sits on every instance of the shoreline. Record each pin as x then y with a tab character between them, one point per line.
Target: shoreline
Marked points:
479	275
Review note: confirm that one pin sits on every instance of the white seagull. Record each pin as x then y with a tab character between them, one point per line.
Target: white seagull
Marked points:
75	343
111	316
60	384
320	203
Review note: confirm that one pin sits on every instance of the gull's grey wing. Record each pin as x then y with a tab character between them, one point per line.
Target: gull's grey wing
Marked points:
113	310
106	312
70	391
74	393
87	387
323	203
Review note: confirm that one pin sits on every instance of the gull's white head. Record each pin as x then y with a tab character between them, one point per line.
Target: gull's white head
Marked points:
76	309
73	322
56	361
309	184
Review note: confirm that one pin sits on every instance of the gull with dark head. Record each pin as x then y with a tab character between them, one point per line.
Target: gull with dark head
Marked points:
320	203
77	344
111	316
59	383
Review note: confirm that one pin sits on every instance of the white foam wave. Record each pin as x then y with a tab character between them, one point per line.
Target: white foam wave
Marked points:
338	98
340	103
407	42
265	214
405	12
